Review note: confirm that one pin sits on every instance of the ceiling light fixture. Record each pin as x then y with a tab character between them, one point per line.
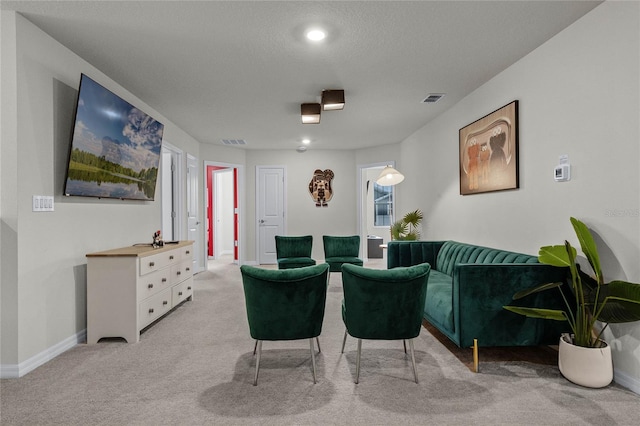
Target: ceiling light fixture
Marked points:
332	100
310	113
389	177
306	141
316	35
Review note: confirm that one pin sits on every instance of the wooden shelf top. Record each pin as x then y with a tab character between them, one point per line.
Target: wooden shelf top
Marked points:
139	250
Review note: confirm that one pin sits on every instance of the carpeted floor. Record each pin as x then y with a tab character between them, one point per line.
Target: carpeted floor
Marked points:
195	367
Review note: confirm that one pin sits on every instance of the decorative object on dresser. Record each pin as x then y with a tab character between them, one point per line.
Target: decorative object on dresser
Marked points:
131	287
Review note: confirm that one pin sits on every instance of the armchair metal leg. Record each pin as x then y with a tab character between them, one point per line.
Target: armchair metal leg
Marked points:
404	343
259	345
313	359
358	361
254	347
413	360
318	342
344	340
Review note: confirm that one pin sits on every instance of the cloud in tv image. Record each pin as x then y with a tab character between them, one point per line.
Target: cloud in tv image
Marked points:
115	150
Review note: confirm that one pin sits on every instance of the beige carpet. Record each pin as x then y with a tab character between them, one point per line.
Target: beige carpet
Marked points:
195	367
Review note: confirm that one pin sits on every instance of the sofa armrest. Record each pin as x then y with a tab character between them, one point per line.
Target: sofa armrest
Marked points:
481	290
410	253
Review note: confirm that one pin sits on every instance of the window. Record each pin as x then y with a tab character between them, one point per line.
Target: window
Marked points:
382	205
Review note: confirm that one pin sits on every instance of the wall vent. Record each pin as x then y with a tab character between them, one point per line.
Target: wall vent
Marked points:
432	98
234	142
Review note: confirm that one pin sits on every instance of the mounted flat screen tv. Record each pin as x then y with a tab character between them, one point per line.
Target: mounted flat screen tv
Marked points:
115	147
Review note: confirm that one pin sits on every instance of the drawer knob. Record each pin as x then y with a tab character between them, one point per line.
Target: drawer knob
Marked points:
150	286
179	272
152	263
188	252
150	310
188	269
179	293
164	302
189	288
170	257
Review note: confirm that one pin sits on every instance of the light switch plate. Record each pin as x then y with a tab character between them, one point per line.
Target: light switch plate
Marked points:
43	203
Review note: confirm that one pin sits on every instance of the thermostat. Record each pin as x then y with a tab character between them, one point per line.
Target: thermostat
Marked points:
562	172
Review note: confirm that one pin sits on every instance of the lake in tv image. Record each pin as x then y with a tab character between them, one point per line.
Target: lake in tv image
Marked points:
115	149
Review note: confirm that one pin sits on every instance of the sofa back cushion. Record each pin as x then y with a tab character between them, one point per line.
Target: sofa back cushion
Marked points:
453	252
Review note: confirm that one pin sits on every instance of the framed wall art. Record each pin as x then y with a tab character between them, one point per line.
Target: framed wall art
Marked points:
489	152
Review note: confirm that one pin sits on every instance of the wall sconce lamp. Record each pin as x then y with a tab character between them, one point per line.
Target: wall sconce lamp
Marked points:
310	113
332	100
389	177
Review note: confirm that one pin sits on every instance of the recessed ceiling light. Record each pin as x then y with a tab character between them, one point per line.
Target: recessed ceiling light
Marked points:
316	35
306	141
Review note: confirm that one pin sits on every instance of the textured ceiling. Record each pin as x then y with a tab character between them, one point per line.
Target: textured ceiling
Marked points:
241	69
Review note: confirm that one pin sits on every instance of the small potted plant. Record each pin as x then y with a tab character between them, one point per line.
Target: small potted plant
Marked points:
583	357
407	228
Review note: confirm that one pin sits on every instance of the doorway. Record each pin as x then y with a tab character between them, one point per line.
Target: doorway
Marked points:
376	207
223	192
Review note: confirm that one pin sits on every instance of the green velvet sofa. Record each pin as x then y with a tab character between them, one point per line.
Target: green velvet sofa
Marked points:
469	285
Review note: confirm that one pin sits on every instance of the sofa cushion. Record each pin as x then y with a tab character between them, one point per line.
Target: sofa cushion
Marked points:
453	252
439	300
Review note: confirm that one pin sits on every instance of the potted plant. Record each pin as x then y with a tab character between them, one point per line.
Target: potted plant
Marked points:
407	228
593	301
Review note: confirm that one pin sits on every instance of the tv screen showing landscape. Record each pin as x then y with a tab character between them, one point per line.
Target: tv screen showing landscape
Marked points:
115	147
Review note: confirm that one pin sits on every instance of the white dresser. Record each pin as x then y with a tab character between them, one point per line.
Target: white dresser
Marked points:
131	287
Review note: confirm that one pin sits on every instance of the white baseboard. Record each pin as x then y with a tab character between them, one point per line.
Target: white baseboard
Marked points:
14	371
623	379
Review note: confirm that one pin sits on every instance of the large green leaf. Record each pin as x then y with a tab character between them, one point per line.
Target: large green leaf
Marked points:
414	218
551	314
541	287
554	255
588	246
621	303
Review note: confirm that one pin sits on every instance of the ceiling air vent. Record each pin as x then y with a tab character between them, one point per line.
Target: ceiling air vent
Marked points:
432	98
234	142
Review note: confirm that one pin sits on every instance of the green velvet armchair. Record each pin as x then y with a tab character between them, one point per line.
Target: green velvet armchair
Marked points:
339	250
384	304
285	305
294	251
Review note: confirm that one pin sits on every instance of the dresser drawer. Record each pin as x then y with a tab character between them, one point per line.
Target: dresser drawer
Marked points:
181	271
156	261
153	283
182	291
154	307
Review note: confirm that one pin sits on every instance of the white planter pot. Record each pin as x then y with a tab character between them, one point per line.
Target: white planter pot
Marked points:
590	367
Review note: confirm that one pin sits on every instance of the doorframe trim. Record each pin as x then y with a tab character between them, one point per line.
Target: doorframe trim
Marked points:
257	200
178	192
241	192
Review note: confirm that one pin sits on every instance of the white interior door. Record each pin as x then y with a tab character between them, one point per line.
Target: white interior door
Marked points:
193	213
270	202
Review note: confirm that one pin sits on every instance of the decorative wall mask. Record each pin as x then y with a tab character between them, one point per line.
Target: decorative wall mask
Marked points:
320	187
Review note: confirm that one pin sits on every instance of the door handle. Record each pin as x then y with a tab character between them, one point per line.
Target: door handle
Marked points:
261	220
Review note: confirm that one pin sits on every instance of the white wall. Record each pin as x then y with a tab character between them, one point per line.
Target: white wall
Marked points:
303	217
578	95
43	254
